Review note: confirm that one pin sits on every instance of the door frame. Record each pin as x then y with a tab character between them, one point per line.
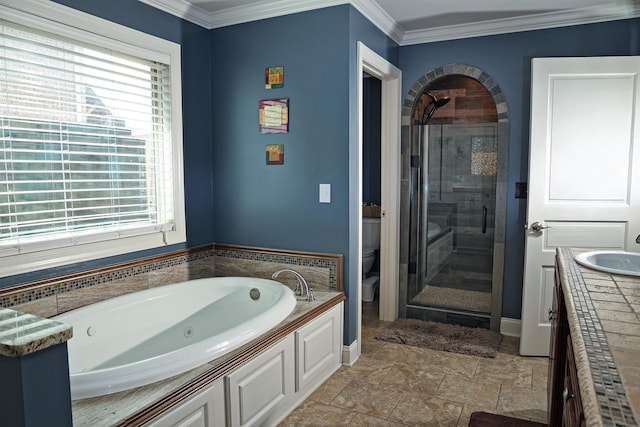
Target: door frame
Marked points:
391	86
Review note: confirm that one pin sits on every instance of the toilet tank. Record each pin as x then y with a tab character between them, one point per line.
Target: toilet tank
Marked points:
371	233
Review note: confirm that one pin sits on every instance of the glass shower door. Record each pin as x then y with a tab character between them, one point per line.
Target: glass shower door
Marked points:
454	216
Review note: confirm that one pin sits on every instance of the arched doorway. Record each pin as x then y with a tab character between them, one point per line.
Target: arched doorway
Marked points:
454	198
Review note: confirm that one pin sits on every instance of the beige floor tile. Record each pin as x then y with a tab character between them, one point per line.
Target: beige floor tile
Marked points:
312	414
417	410
522	402
399	353
330	388
368	369
368	399
361	420
414	379
450	363
469	409
505	371
540	377
464	390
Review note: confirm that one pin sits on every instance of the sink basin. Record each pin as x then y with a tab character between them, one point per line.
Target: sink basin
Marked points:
626	263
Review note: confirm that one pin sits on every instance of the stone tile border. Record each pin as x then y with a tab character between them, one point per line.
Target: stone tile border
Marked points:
43	297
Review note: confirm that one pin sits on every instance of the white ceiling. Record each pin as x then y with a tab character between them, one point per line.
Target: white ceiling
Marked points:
417	21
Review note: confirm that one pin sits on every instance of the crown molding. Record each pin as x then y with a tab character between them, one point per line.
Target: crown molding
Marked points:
182	9
381	19
587	15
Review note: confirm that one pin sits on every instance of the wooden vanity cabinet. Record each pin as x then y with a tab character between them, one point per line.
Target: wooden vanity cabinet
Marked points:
565	406
572	414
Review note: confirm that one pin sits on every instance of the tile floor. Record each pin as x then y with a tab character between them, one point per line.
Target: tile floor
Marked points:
398	385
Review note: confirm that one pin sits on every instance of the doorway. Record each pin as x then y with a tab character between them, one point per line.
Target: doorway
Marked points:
457	203
390	77
371	195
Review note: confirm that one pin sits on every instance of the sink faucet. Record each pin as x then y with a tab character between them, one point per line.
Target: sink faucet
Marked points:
302	288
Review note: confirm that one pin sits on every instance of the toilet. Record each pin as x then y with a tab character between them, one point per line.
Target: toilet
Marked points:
370	243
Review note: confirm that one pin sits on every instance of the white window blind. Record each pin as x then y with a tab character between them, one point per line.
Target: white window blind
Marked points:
85	142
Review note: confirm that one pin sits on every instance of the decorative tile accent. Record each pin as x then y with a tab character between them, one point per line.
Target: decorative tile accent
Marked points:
54	296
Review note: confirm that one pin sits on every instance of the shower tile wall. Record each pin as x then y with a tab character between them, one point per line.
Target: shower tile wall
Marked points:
466	182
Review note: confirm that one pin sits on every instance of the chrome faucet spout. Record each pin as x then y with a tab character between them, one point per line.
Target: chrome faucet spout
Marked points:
638	239
302	288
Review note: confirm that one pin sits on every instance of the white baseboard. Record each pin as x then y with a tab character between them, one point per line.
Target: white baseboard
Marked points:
510	327
350	354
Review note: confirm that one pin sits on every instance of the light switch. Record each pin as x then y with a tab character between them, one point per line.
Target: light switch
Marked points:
325	193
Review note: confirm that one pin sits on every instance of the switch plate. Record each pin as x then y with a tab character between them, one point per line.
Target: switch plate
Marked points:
325	193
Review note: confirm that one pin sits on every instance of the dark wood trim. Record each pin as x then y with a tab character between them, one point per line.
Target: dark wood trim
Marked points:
226	364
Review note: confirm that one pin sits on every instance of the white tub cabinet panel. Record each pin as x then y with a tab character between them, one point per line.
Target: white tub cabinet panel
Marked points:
258	391
318	349
204	409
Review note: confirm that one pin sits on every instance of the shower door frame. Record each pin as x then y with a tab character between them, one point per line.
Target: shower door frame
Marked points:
408	260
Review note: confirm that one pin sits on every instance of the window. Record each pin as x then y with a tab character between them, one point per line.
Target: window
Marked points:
90	142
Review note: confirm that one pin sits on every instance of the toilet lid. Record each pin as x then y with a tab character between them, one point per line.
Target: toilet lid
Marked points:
368	252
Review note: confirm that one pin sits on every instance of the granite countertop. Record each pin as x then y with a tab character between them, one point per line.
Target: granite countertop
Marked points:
604	321
22	334
117	408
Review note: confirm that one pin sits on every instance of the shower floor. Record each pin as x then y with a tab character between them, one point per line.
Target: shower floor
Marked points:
464	283
454	298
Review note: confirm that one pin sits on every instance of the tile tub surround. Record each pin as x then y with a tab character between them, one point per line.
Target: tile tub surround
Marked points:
22	334
47	298
138	406
604	321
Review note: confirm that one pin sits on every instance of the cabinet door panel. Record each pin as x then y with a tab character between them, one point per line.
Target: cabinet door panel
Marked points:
260	387
318	348
205	409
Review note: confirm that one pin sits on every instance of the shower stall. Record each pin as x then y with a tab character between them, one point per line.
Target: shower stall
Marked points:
455	139
453	216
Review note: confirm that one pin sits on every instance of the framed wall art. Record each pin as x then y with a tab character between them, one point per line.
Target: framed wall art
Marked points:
274	116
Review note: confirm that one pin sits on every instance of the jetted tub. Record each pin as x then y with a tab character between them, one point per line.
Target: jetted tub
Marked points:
143	337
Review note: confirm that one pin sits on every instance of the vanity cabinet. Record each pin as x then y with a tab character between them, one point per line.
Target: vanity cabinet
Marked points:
565	406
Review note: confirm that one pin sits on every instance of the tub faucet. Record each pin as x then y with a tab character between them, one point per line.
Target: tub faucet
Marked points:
302	287
638	239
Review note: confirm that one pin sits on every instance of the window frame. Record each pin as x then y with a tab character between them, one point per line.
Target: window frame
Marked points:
69	22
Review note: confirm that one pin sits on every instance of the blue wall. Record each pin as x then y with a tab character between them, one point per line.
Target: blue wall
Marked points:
196	87
276	206
507	58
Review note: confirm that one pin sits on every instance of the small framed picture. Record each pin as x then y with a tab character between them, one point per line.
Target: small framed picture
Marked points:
274	78
274	116
275	154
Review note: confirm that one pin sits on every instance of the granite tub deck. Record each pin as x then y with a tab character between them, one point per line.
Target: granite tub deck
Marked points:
604	321
139	405
22	334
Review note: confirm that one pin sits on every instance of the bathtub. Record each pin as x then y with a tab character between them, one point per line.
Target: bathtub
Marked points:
143	337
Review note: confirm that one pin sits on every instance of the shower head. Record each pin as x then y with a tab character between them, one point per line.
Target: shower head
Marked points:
437	103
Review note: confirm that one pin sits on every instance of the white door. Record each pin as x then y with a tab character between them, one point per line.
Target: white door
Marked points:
582	192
